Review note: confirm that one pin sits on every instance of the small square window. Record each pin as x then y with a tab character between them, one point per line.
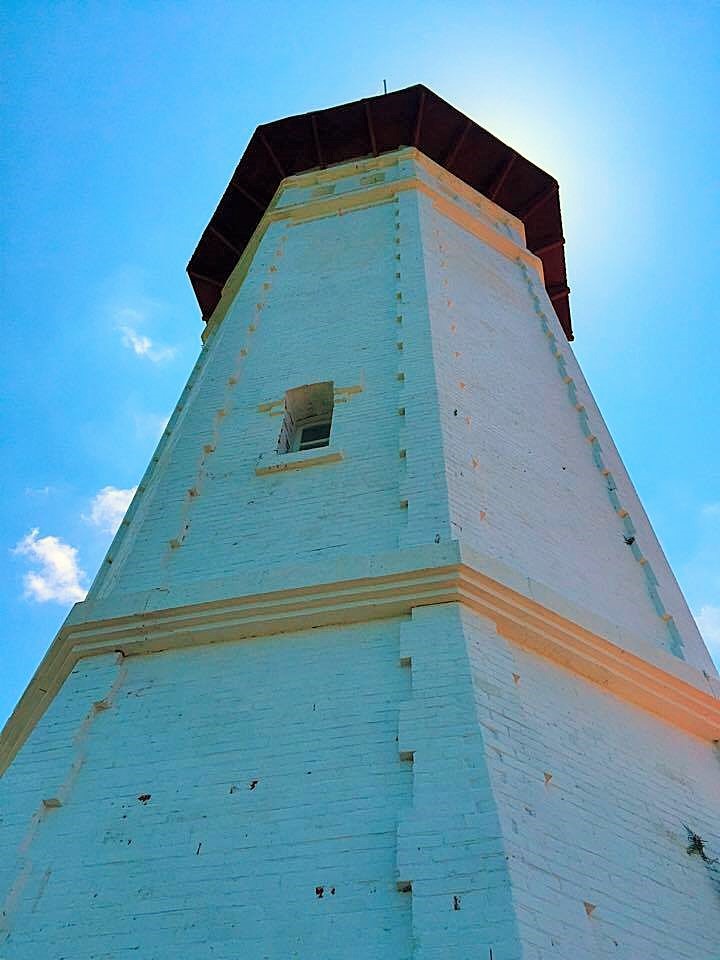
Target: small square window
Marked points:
308	418
312	435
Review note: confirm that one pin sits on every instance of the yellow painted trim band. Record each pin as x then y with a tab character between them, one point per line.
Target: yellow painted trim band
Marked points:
446	198
692	704
298	461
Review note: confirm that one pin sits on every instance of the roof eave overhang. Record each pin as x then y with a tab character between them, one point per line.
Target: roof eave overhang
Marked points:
414	117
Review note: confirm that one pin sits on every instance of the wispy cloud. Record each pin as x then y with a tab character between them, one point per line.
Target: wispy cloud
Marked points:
128	321
39	491
108	506
56	574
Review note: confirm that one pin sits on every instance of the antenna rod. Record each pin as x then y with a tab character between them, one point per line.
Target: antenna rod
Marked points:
384	86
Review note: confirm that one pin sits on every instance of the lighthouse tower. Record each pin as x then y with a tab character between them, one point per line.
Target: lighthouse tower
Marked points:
385	660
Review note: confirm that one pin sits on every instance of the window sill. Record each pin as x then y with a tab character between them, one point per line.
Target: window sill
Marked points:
281	463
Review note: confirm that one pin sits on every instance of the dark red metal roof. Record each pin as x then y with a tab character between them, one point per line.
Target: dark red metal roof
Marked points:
413	117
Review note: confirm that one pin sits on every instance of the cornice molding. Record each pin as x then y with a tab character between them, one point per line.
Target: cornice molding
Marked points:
672	690
447	192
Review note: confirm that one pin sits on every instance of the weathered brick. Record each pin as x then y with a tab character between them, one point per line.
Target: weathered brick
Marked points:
414	786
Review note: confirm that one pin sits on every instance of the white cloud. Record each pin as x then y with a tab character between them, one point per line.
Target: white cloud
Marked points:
39	491
708	621
127	321
57	575
143	346
108	507
711	510
139	344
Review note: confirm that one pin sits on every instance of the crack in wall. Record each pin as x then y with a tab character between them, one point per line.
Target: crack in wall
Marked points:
52	802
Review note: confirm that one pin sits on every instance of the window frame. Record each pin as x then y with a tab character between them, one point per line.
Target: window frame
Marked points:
299	445
309	406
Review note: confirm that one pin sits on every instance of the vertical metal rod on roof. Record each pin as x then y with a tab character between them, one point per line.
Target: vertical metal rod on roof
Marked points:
384	86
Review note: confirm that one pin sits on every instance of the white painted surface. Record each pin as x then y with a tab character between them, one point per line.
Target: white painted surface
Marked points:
523	486
329	315
430	773
609	826
207	866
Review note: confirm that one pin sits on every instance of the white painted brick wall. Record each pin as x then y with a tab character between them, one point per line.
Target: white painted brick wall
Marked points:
464	417
410	750
523	486
608	827
450	844
329	313
208	867
497	858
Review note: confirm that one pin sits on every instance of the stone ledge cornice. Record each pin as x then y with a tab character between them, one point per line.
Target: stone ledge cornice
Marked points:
452	197
380	588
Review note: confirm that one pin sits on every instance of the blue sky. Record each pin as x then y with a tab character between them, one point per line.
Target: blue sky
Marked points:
122	124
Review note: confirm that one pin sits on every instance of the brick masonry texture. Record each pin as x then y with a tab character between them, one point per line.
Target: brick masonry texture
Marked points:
536	792
415	787
594	797
340	298
271	773
522	483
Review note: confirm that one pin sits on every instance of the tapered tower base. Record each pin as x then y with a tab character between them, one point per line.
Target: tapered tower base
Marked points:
385	660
